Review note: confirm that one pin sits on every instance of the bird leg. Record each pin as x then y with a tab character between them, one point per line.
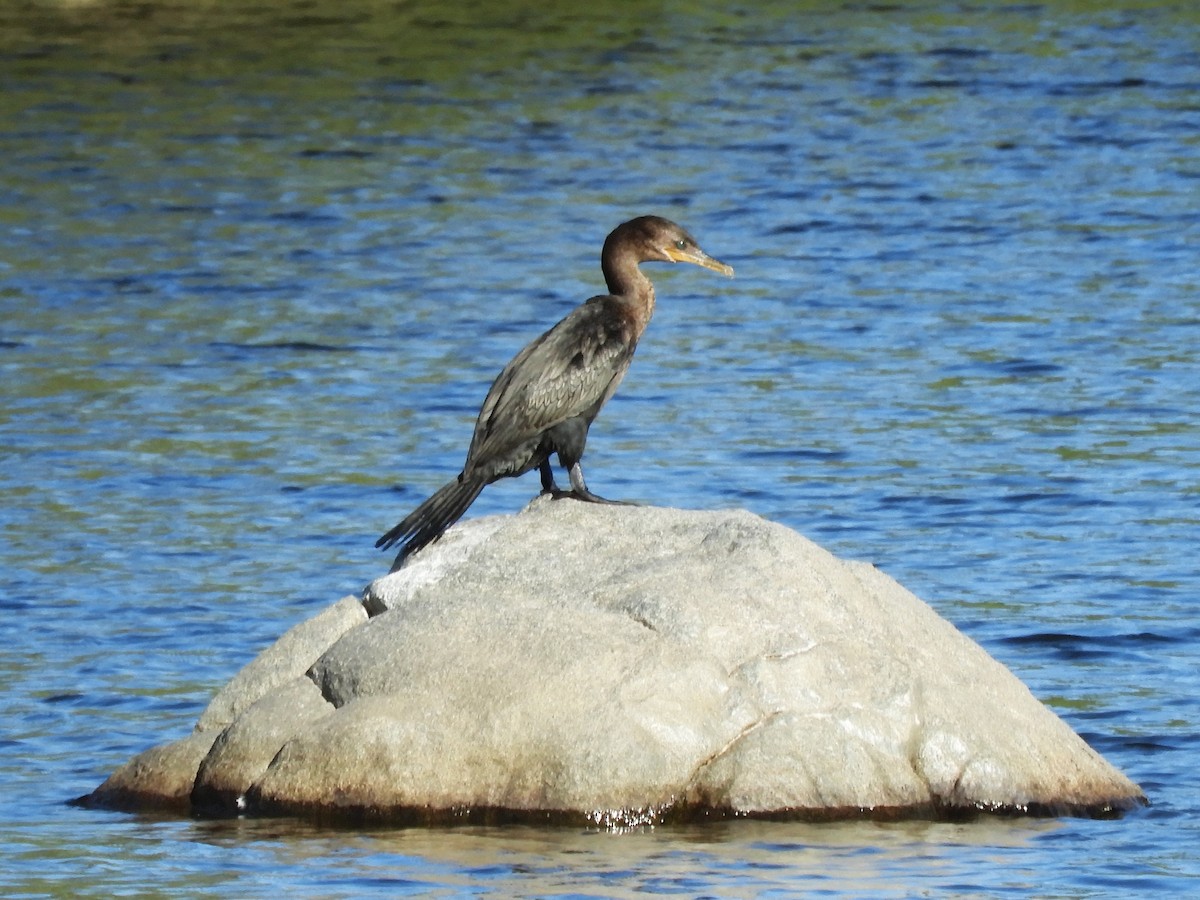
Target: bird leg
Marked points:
548	485
579	489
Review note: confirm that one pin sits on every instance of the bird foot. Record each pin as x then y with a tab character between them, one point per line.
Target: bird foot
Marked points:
585	496
579	489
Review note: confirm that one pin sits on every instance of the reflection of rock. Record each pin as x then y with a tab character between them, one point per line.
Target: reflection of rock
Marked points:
624	664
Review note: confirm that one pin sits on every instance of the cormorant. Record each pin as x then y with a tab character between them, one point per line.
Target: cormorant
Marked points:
546	398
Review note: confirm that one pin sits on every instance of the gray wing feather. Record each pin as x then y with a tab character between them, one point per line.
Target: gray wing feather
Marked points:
569	371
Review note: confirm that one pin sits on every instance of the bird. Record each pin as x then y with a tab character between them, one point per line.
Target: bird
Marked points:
546	398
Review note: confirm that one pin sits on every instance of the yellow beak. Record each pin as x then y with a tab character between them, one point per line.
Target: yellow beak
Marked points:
699	257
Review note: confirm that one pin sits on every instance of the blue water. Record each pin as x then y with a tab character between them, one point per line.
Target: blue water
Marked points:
260	265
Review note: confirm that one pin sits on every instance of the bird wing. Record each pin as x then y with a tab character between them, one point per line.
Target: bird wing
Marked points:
569	371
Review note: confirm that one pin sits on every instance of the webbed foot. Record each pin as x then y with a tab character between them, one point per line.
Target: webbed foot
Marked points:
579	490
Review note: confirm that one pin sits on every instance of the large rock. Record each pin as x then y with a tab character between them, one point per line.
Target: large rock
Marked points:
619	665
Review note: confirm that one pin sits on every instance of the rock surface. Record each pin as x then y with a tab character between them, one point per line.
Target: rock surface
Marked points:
624	665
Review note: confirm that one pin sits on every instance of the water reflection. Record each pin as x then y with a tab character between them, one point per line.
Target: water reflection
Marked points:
724	858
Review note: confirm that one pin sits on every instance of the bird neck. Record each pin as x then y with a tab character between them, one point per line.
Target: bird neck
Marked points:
626	281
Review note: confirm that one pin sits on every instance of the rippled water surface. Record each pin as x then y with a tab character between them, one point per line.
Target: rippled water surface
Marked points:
261	261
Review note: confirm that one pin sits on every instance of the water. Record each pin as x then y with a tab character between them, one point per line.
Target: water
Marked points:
261	262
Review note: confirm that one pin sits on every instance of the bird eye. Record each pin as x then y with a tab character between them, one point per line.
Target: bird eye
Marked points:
680	244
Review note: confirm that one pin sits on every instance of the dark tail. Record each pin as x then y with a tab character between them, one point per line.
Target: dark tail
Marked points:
425	524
